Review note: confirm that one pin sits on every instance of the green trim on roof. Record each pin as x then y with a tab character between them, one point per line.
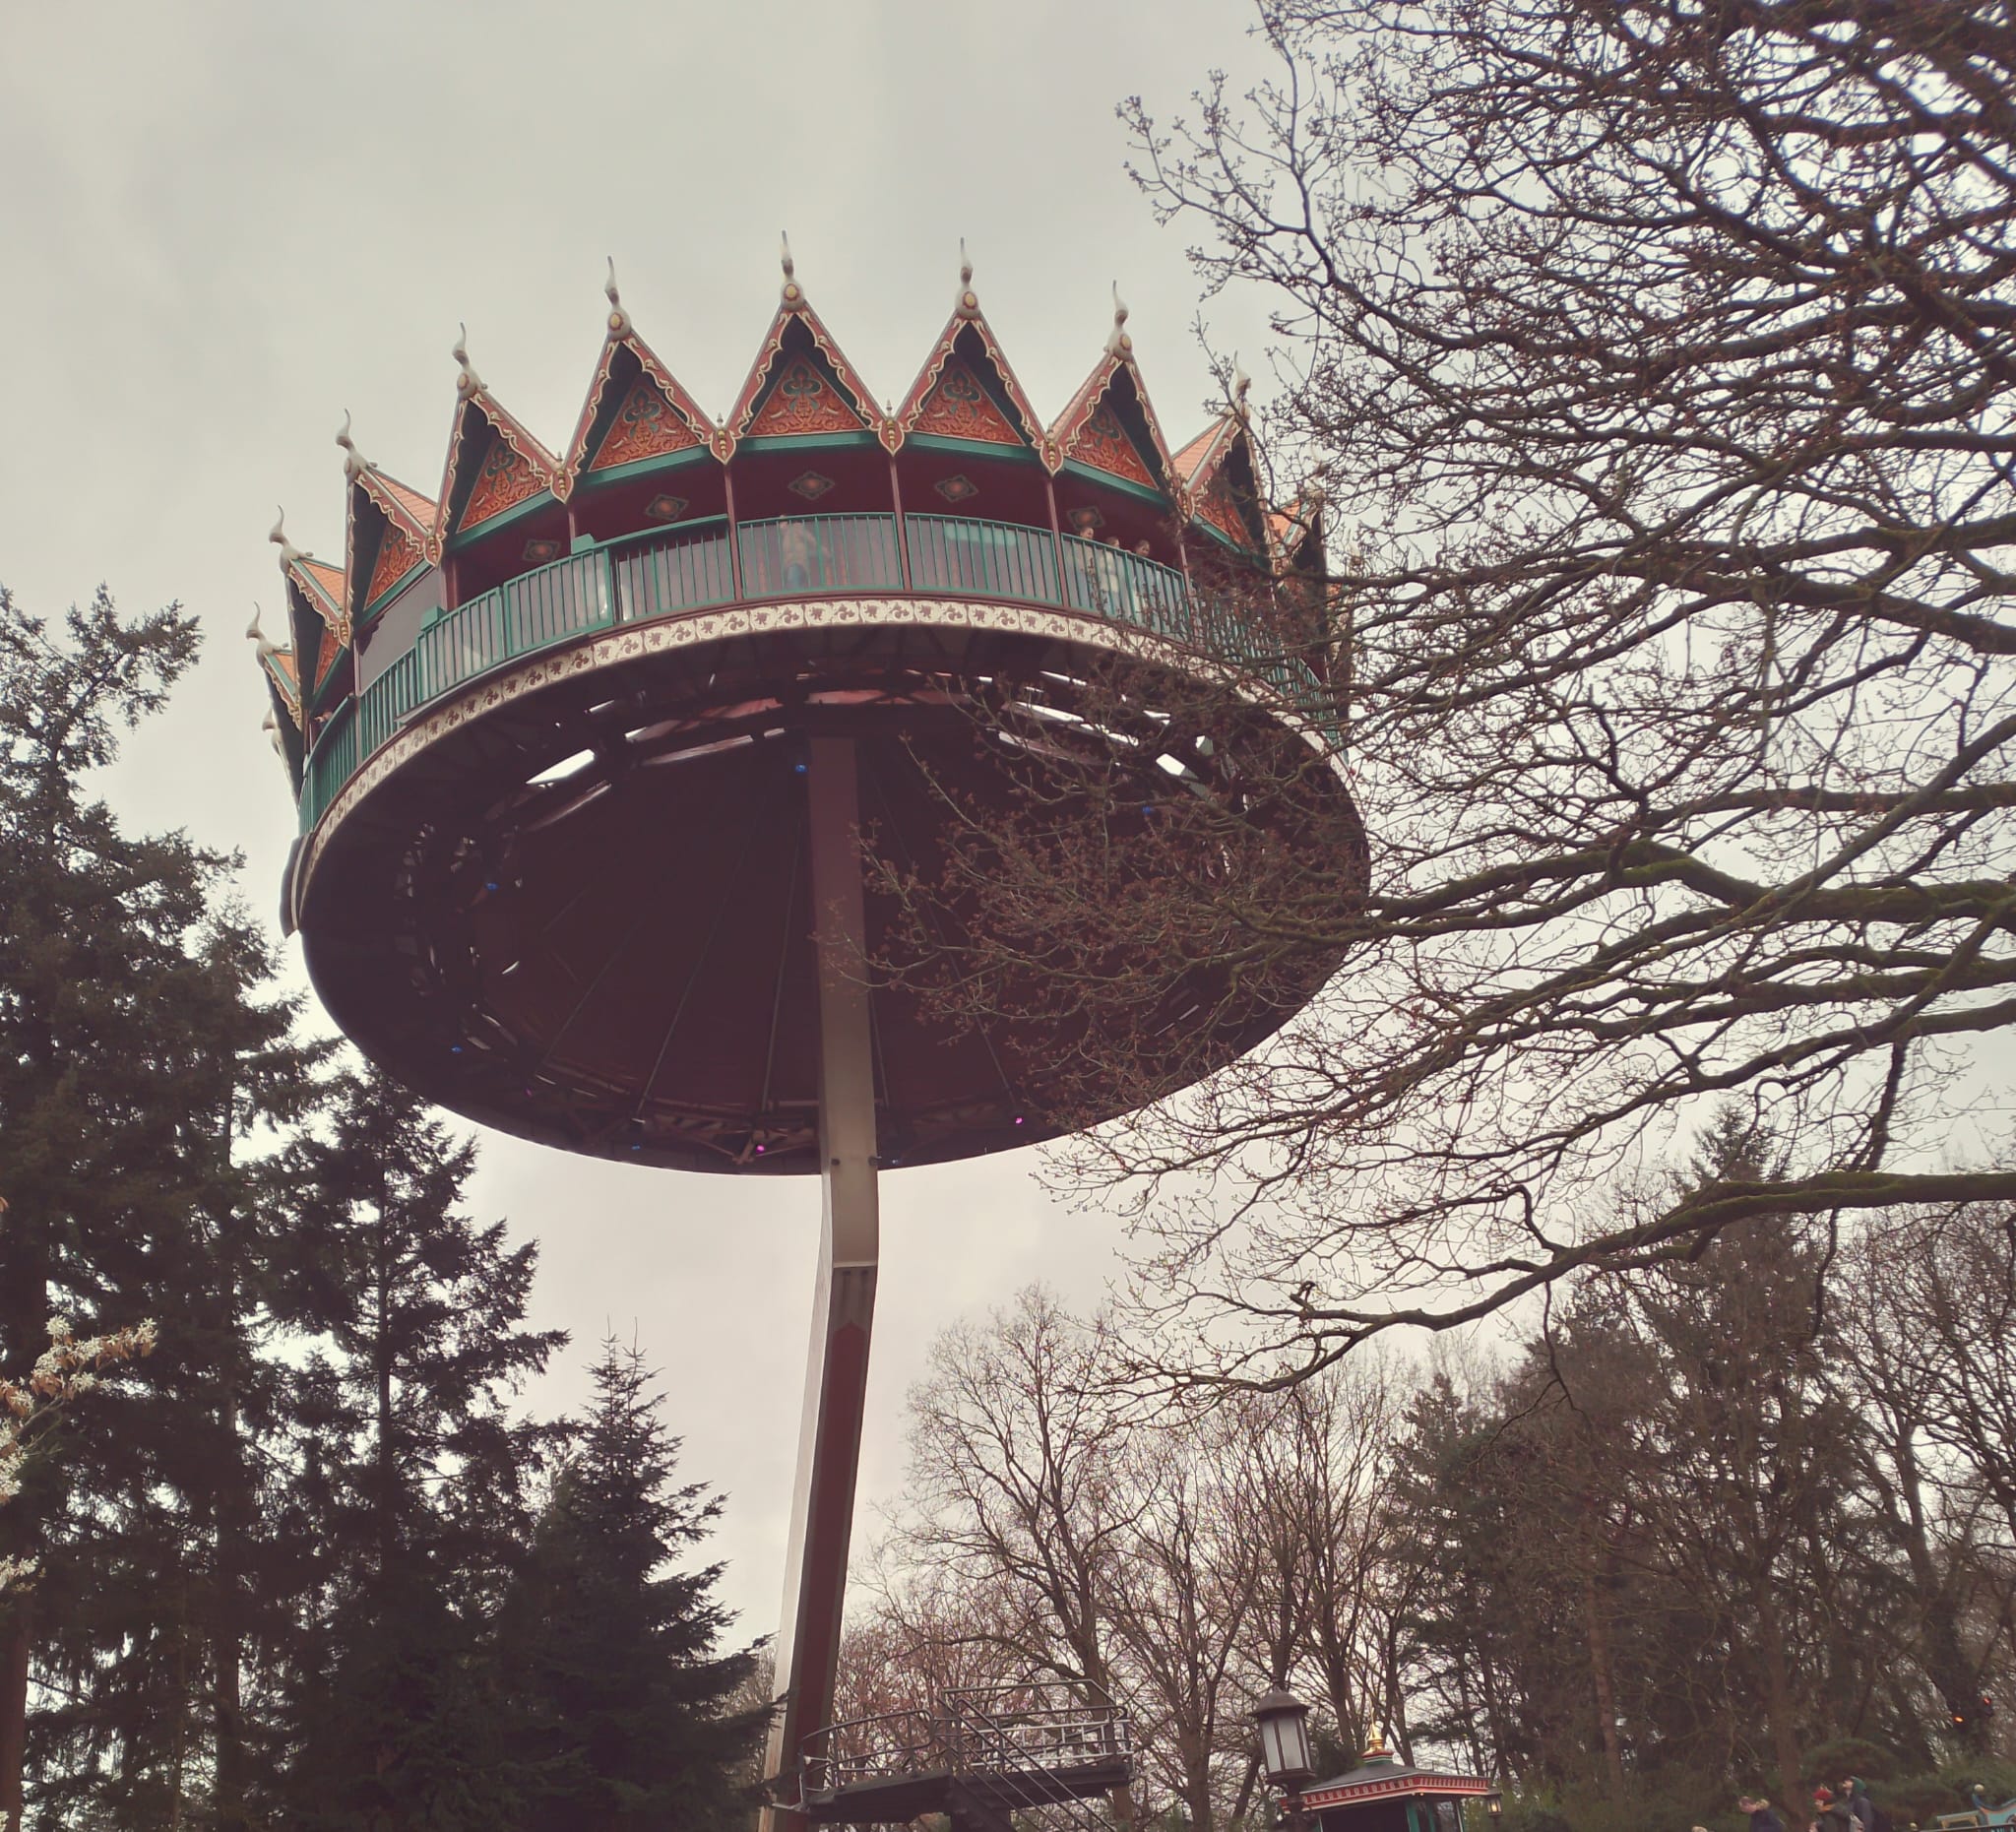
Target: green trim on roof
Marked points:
806	441
973	448
1091	473
468	537
643	468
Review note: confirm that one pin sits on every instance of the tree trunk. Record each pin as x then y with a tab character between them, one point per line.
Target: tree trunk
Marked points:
1601	1672
19	1634
225	1636
1777	1708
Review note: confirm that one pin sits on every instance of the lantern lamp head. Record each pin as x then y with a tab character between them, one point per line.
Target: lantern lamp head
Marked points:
1284	1721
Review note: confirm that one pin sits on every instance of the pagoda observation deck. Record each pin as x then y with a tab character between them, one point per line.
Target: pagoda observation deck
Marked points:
534	720
597	753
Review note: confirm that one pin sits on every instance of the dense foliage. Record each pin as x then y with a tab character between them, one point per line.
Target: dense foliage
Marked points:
278	1573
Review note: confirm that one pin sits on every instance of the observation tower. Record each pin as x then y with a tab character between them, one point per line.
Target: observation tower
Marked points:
586	739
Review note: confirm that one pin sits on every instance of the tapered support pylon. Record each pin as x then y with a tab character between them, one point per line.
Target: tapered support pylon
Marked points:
844	1299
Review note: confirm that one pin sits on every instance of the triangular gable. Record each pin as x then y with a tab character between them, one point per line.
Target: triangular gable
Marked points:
1095	429
959	406
1217	508
965	389
493	465
278	667
802	383
317	611
1216	469
328	655
391	532
636	409
1295	536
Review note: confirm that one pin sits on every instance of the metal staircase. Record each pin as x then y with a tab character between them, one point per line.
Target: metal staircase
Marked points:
1019	1758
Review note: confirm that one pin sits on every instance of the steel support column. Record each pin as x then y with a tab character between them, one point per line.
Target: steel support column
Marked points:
843	1297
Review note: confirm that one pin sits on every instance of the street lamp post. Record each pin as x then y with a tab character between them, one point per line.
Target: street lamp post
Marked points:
1284	1721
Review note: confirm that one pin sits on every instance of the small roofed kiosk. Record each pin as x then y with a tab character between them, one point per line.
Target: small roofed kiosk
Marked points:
584	743
1386	1795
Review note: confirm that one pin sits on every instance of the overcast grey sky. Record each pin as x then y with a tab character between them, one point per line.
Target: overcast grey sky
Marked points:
222	223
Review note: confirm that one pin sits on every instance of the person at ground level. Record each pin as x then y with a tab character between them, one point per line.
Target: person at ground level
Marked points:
1763	1815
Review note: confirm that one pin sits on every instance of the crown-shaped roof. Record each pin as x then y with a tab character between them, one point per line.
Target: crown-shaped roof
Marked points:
801	383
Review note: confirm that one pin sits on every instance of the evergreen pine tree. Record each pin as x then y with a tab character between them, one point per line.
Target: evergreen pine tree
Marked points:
128	1016
626	1710
415	1481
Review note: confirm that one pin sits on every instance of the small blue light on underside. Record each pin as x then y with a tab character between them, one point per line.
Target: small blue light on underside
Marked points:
798	769
489	884
455	1049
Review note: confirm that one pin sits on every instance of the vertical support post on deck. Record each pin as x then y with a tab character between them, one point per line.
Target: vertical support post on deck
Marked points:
843	1297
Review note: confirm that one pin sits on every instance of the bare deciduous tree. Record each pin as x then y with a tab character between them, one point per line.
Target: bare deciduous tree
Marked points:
1659	355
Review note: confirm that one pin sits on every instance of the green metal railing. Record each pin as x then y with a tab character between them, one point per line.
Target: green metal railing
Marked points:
688	572
820	553
661	575
981	559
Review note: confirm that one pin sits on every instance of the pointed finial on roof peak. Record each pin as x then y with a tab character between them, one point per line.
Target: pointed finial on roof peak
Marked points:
793	293
969	301
1119	342
270	726
254	634
354	462
1242	384
288	552
468	381
619	319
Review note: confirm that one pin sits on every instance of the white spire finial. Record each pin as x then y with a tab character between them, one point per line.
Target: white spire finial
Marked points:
969	301
354	462
1119	342
266	646
270	726
1242	384
785	246
793	293
468	381
619	319
288	552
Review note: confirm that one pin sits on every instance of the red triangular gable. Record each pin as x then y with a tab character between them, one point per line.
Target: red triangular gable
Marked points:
798	348
504	479
1217	508
399	552
655	415
1104	444
801	401
406	519
959	406
1090	429
647	426
510	466
950	397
